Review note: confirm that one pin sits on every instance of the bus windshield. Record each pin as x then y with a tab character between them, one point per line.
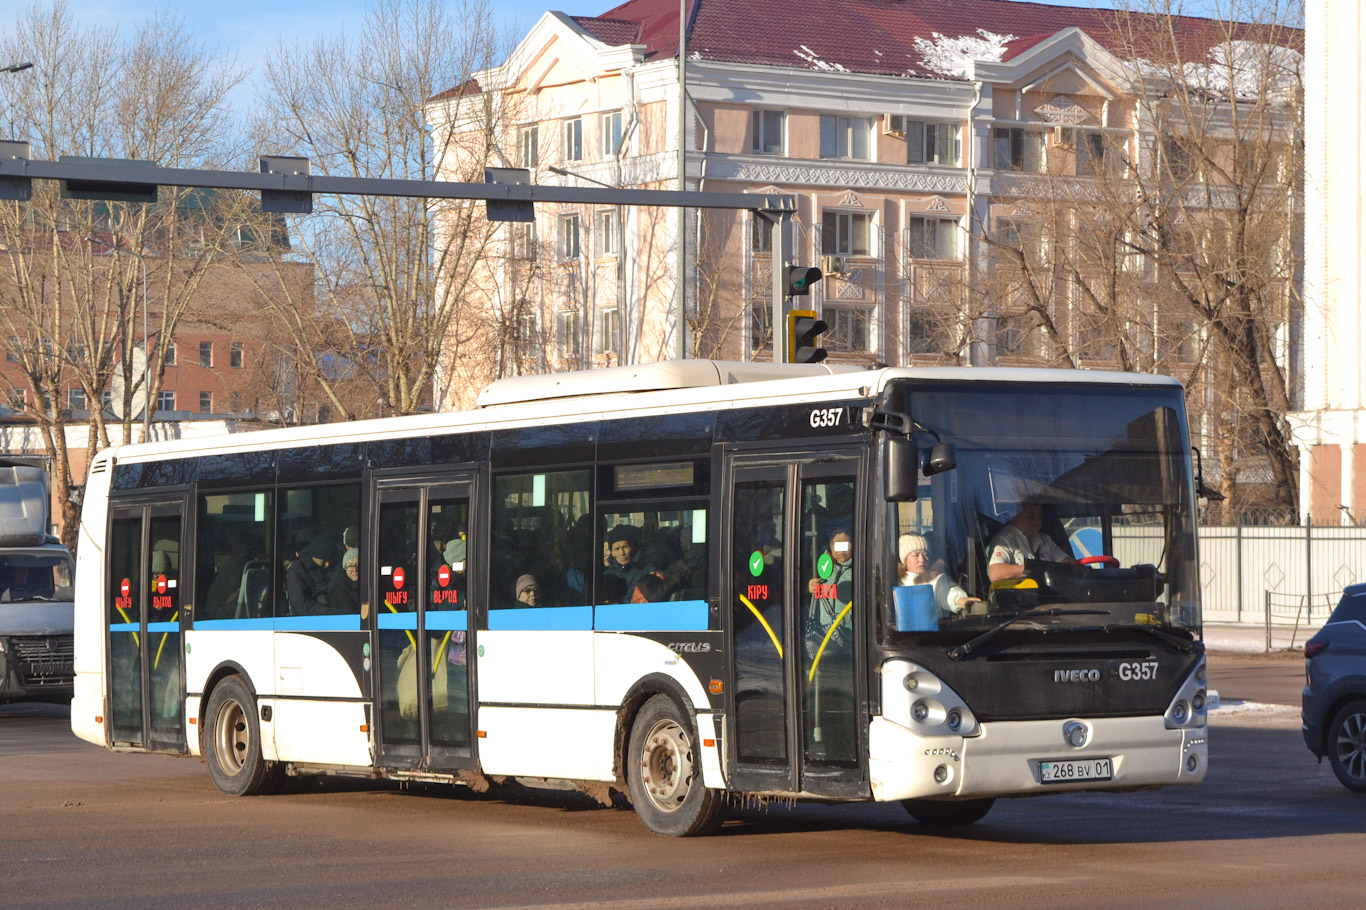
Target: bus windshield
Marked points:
1068	507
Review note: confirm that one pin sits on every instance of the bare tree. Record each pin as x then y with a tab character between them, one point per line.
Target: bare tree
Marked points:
73	283
398	101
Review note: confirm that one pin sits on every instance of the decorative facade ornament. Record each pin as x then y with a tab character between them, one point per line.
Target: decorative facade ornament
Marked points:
1062	110
790	173
936	204
852	200
850	287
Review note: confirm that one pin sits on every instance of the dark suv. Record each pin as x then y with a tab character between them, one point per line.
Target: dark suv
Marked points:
1334	699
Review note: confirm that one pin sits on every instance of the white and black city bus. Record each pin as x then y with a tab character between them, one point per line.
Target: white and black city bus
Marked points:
687	581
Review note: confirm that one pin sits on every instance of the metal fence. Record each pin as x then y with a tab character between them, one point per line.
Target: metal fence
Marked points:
1278	576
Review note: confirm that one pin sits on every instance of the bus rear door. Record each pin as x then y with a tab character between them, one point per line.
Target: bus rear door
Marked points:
146	691
795	558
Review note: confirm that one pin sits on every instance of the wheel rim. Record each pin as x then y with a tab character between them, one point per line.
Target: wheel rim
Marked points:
1351	746
666	765
232	736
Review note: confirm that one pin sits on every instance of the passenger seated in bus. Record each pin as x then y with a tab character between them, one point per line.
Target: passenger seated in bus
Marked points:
1022	538
624	565
343	593
915	569
527	590
829	596
306	581
222	596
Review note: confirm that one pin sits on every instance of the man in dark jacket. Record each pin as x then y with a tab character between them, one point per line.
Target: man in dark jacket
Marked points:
308	578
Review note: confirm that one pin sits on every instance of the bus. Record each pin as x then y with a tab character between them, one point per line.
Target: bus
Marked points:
688	583
37	613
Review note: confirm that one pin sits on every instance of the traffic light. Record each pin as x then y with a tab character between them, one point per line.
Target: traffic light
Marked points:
800	278
803	328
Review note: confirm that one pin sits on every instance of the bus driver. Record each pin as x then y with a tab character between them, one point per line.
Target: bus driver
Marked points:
1022	538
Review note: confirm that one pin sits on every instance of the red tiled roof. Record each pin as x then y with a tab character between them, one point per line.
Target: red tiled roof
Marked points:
612	32
864	36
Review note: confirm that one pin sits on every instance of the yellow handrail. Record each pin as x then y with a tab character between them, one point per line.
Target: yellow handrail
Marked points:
828	632
764	622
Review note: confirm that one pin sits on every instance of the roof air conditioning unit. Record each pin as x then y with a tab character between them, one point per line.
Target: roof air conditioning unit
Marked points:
835	265
894	124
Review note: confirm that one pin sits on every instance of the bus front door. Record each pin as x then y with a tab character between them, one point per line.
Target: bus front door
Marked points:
424	572
795	566
146	692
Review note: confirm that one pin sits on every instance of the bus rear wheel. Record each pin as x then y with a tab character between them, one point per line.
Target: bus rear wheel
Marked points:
949	813
233	745
664	774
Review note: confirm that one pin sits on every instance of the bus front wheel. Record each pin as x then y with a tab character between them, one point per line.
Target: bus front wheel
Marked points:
948	812
233	746
664	774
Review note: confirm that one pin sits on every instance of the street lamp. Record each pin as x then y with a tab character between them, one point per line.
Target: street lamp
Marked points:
146	338
16	67
621	261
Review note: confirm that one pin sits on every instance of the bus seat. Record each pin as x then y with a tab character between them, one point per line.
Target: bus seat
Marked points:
251	599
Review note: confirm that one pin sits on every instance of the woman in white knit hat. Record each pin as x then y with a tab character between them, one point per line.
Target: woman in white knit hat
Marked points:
913	553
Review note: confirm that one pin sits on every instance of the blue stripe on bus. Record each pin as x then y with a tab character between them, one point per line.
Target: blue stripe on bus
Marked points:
446	621
163	627
542	619
235	625
398	621
342	622
124	627
664	616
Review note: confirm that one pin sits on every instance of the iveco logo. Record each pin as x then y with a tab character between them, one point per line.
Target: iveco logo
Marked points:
1066	676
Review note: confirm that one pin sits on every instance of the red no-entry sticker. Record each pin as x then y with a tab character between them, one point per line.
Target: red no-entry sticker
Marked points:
443	575
398	579
161	584
125	587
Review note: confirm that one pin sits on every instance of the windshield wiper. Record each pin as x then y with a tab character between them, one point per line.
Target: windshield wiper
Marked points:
1176	641
968	647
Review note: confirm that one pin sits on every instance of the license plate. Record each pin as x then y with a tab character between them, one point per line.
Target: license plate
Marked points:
1073	771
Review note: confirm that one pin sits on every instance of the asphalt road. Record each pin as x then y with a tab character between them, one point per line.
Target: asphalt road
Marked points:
83	827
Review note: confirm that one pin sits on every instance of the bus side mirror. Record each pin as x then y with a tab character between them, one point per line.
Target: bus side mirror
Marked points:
900	469
942	458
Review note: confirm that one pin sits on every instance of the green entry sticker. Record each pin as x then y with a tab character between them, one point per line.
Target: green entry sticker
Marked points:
365	649
481	650
756	564
825	566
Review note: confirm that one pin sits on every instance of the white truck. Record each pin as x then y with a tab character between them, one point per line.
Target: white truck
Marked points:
37	613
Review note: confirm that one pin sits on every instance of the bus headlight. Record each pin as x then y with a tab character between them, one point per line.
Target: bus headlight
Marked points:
1188	706
915	698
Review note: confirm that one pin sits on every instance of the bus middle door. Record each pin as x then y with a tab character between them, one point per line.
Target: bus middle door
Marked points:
422	683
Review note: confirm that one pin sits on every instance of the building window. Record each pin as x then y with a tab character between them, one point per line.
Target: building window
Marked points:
571	149
75	399
524	240
567	236
237	402
769	130
850	328
528	146
165	401
235	355
206	353
933	238
1017	149
1177	161
1091	149
928	332
760	326
1017	335
106	399
75	352
846	137
610	139
760	234
18	399
12	349
568	337
605	339
206	402
527	334
170	354
846	233
933	143
605	228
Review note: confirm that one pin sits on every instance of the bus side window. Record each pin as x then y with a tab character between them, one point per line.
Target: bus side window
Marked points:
653	553
234	555
540	552
315	520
